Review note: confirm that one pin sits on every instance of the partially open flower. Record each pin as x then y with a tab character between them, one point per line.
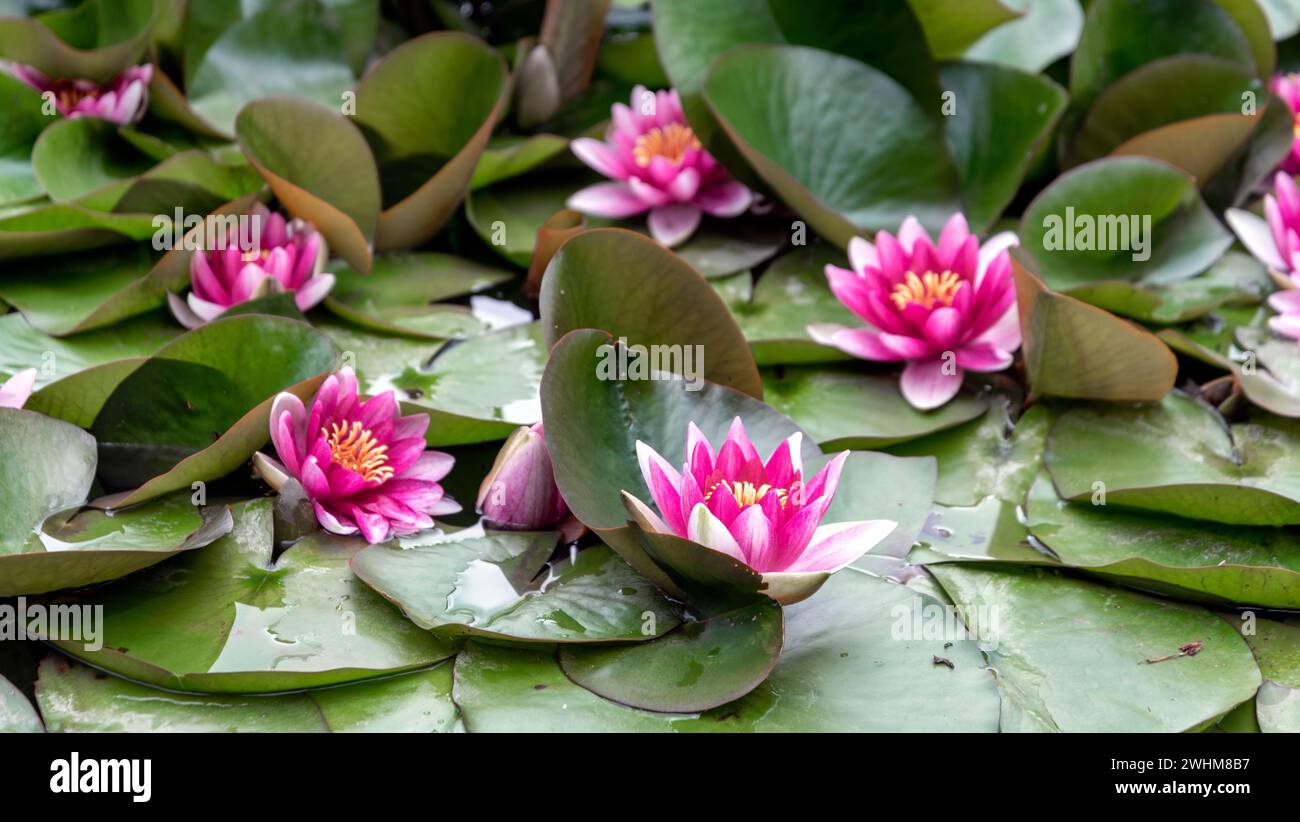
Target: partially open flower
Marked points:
1287	87
520	493
362	464
660	167
760	512
288	256
122	100
943	309
15	390
1275	240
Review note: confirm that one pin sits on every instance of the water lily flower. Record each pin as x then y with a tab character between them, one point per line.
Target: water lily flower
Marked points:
1287	87
759	512
122	100
659	166
363	465
520	493
289	256
1275	240
942	308
15	390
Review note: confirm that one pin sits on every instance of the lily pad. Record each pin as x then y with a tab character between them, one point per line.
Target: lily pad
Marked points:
845	667
24	122
846	408
1276	646
430	133
1047	31
95	40
762	94
509	155
698	666
952	26
671	307
1178	457
501	586
230	619
1068	654
17	714
319	166
59	228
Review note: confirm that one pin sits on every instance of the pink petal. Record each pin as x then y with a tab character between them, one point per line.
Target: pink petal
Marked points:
727	198
862	255
983	358
599	155
673	224
15	390
332	522
836	545
313	291
1255	235
612	200
708	531
431	466
753	534
943	327
925	385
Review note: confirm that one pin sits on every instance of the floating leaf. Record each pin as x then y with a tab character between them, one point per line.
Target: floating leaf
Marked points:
95	40
1047	31
17	714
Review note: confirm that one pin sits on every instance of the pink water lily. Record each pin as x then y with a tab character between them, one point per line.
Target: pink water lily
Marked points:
362	464
122	100
15	390
942	308
1274	240
520	493
1287	87
760	512
290	255
659	166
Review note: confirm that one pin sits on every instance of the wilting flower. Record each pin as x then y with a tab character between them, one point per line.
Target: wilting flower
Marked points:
122	100
15	390
760	512
1287	87
1275	240
289	256
520	493
362	464
660	167
943	308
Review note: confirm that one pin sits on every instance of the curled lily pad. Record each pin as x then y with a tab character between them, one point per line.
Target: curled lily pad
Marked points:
501	586
230	619
320	168
1048	30
951	26
198	408
586	286
58	228
1178	457
698	666
433	132
507	156
95	40
847	185
24	124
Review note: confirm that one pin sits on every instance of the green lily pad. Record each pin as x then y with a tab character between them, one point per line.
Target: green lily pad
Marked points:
230	619
1178	457
1047	31
952	26
1063	228
59	228
691	34
1068	654
501	586
23	124
94	289
846	408
510	155
1197	560
508	217
96	40
477	390
670	307
54	358
1003	119
1272	380
284	48
774	313
320	168
1122	35
760	95
17	714
844	667
74	158
698	666
427	137
1276	646
199	407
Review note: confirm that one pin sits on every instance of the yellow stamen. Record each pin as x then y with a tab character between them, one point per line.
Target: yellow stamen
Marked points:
926	290
356	449
671	141
746	493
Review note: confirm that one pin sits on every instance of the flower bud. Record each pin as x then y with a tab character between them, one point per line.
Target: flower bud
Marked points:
520	493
